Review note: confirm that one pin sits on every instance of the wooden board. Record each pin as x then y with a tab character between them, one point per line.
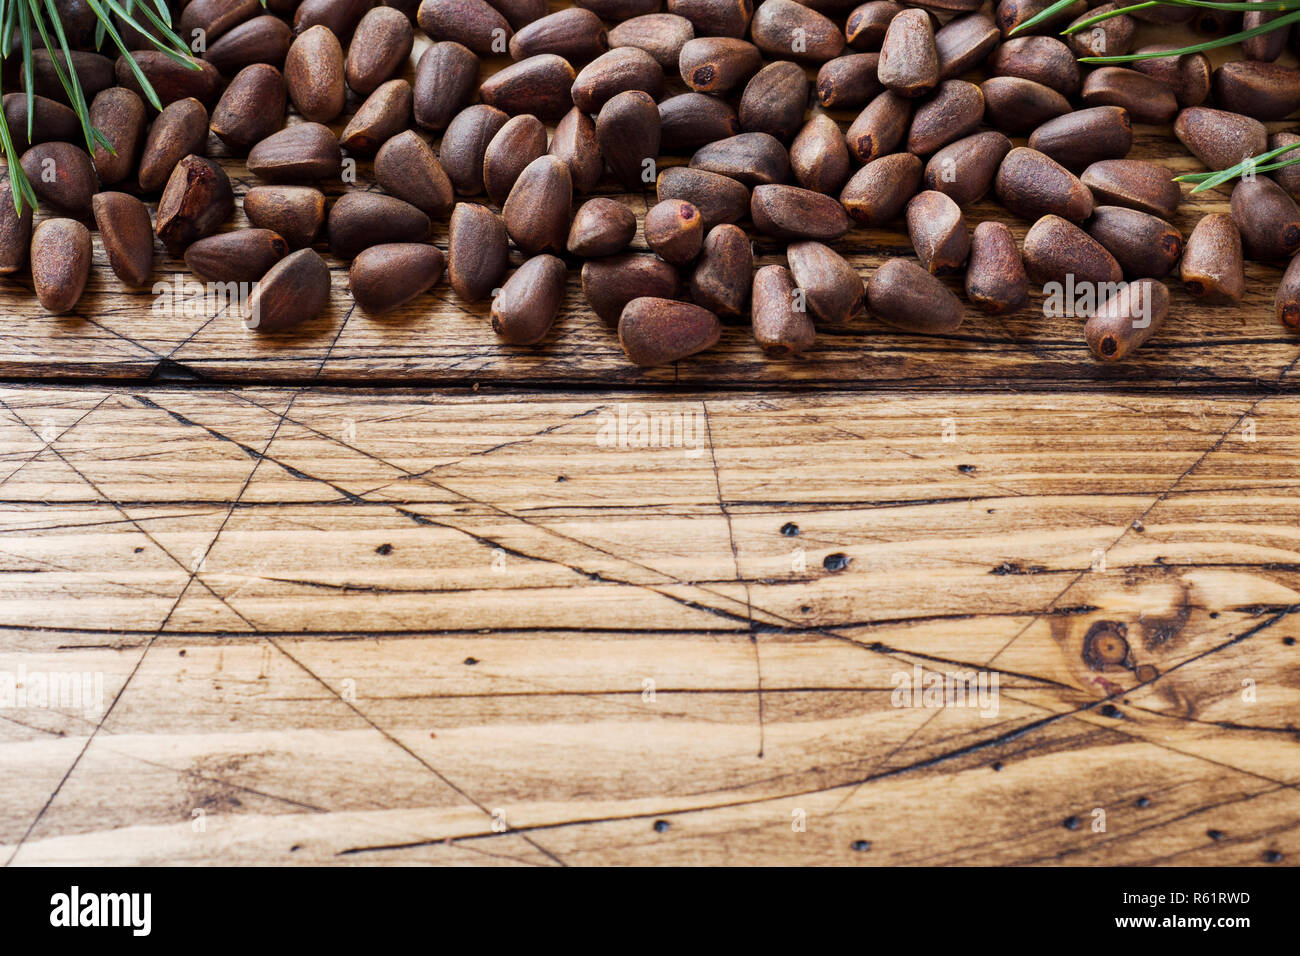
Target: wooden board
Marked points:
360	626
336	618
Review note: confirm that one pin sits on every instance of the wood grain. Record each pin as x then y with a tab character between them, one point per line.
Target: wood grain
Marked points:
439	340
357	626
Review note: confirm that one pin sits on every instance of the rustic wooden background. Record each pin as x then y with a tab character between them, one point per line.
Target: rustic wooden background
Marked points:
376	592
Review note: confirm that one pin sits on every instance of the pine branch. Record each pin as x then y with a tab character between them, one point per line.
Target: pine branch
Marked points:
24	21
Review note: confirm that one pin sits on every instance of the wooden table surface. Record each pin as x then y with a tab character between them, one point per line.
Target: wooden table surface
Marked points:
386	591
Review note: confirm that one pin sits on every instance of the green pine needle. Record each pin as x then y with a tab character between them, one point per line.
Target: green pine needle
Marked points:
1256	7
1259	164
1264	6
26	21
1042	15
1094	20
1269	27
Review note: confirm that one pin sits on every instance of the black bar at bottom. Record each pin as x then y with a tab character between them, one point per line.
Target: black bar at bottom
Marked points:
339	906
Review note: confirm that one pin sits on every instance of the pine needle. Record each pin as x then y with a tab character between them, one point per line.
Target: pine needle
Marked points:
1043	15
1269	27
30	21
1257	164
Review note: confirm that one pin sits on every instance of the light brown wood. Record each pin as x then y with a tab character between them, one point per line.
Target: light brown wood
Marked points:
352	626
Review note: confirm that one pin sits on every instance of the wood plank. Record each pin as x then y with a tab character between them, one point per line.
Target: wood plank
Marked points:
351	626
439	340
